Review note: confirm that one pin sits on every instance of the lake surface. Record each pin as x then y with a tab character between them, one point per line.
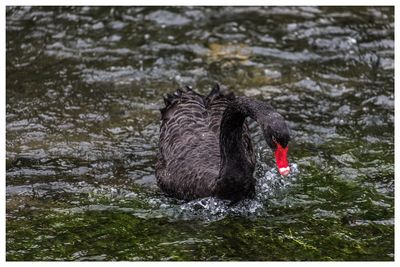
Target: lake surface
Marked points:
84	89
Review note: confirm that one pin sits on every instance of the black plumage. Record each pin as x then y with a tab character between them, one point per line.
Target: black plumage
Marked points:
205	147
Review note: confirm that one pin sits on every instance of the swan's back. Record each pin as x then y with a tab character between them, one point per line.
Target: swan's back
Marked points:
189	156
188	162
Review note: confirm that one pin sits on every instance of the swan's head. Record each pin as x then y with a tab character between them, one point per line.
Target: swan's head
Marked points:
276	134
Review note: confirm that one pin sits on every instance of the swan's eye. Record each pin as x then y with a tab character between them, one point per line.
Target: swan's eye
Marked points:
274	140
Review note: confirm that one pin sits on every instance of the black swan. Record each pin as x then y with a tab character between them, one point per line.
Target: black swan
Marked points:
205	147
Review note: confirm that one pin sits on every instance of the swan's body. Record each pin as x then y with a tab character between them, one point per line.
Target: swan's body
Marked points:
205	147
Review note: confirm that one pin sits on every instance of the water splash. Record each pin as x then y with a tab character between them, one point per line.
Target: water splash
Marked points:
270	184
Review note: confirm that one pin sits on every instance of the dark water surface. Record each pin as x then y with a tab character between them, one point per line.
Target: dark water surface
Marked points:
84	86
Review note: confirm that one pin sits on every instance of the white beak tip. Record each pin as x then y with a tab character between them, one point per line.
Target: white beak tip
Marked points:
284	171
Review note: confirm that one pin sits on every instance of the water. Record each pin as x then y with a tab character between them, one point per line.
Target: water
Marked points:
84	86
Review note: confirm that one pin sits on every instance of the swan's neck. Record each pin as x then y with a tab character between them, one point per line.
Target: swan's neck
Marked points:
237	164
232	146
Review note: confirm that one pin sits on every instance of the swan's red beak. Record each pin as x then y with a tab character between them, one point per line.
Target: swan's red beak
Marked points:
281	159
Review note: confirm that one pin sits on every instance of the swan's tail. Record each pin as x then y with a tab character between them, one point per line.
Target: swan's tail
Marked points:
187	93
217	93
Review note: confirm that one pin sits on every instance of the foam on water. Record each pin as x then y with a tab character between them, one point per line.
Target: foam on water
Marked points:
268	185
